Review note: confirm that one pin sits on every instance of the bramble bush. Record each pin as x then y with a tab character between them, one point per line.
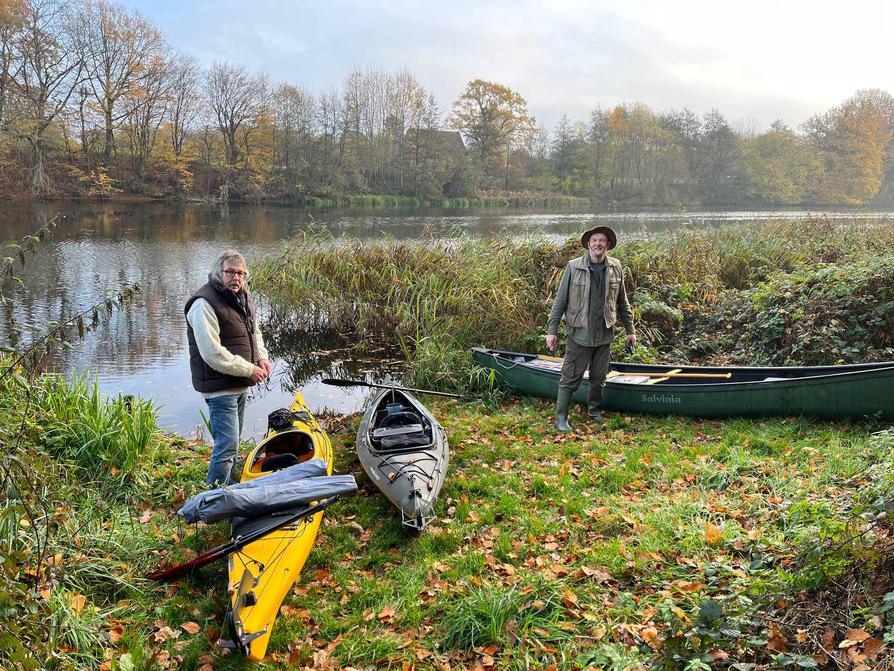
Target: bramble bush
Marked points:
831	313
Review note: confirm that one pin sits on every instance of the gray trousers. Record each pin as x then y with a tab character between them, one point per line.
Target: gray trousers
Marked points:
579	359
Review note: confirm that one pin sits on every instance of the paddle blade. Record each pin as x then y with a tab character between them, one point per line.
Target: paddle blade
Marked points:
335	382
180	570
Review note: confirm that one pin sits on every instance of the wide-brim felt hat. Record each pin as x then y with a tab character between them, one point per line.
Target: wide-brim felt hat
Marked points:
605	230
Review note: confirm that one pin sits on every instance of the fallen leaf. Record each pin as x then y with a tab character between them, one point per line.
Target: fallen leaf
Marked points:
165	634
77	602
569	598
713	534
776	641
387	614
648	634
872	647
146	517
191	628
857	635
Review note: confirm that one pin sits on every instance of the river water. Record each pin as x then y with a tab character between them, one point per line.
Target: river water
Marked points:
168	250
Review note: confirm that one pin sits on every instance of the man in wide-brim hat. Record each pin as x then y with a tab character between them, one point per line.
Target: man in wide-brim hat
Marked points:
593	300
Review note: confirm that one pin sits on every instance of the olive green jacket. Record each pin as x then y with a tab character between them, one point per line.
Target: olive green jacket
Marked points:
573	297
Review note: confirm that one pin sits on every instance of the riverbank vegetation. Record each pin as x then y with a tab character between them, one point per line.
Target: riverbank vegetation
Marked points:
781	292
94	102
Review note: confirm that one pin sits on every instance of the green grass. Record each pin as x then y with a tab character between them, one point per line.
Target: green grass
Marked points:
598	548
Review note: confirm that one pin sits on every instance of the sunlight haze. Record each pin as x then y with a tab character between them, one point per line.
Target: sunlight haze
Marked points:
766	61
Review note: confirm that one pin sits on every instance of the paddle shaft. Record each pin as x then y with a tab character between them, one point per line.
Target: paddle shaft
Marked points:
232	545
360	383
725	376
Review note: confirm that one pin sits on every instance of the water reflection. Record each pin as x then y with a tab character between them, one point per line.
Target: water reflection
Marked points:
168	250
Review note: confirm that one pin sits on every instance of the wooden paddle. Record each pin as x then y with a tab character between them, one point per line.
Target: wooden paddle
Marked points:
630	372
360	383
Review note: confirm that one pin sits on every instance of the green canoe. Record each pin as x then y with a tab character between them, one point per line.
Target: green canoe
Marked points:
858	390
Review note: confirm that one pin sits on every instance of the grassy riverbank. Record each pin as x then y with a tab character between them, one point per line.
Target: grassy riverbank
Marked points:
648	541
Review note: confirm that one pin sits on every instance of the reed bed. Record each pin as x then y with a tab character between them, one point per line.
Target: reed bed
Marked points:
487	200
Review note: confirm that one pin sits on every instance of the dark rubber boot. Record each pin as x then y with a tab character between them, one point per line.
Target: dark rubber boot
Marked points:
594	400
562	402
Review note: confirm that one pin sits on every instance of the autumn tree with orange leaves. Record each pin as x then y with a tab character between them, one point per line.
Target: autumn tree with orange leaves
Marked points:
495	122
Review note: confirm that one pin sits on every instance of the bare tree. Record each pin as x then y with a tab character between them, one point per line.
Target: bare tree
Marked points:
47	71
185	101
235	98
118	50
145	107
294	110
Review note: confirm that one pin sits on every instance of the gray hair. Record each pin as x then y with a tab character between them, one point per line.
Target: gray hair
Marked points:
229	256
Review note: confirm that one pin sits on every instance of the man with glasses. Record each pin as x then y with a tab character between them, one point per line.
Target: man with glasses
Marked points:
226	357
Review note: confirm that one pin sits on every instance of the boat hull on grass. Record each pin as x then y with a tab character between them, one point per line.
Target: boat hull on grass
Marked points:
856	391
262	573
405	453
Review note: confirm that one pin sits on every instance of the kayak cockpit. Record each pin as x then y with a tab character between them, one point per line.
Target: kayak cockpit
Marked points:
282	450
397	425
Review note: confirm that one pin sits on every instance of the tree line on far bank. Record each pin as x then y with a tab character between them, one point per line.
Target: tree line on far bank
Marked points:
93	102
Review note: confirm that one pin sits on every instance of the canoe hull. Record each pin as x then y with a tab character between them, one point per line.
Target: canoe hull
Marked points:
857	391
282	553
410	476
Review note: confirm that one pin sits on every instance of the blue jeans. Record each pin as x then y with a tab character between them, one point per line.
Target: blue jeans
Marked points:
226	428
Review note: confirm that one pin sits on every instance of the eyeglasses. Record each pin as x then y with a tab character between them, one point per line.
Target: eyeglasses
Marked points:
234	273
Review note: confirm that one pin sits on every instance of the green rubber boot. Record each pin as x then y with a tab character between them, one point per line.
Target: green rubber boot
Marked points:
594	400
563	400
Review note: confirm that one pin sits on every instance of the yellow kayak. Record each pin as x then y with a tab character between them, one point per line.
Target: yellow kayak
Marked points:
262	573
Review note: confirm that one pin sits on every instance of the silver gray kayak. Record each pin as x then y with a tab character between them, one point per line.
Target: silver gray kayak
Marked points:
404	451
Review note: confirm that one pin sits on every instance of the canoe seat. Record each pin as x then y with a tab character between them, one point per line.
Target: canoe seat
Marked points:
400	436
398	419
400	430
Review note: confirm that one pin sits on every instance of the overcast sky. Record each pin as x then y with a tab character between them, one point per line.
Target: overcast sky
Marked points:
755	61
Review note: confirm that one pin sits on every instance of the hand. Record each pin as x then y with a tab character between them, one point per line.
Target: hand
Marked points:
631	340
266	365
258	375
551	341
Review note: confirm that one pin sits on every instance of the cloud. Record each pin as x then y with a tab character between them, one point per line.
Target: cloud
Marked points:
763	61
